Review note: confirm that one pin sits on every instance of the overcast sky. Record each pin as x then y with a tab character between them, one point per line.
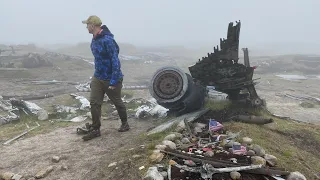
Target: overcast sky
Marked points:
162	22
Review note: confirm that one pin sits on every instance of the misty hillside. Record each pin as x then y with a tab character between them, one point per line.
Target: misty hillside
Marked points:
83	49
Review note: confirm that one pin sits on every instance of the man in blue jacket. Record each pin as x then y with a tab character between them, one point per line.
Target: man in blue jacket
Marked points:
107	78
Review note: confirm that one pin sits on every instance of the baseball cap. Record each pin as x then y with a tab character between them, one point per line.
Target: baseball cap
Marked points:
95	20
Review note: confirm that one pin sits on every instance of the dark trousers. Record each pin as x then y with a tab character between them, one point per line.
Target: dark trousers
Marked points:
98	89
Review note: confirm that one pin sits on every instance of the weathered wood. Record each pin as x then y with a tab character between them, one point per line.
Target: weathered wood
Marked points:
261	171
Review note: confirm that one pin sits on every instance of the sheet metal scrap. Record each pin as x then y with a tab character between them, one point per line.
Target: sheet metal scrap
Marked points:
27	107
11	113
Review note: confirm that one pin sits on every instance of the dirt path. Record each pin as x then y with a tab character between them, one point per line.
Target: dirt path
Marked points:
85	160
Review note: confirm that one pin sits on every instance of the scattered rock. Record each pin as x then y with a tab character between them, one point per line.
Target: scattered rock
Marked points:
16	177
235	175
153	174
178	142
64	167
114	113
259	150
185	141
193	140
200	125
181	126
271	160
161	147
156	157
296	176
142	167
169	144
55	159
209	154
250	147
43	173
42	115
237	144
197	130
7	175
257	160
136	156
170	137
251	153
112	164
247	140
178	135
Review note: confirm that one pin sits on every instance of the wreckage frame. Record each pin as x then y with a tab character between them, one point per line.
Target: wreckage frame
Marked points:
182	93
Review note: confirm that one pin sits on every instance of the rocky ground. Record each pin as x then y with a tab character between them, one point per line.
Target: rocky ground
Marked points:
82	160
274	89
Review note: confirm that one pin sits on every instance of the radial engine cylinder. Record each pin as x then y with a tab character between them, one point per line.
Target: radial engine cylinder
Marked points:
177	91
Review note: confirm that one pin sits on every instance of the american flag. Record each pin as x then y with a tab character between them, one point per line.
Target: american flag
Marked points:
214	125
239	150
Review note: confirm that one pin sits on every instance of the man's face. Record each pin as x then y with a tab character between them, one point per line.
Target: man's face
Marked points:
90	28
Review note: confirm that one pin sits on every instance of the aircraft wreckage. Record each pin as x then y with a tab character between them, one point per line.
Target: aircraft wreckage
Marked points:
181	92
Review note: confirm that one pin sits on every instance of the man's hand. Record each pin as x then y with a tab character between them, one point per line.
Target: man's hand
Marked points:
111	87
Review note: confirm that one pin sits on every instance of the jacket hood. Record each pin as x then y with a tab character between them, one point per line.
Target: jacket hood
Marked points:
105	32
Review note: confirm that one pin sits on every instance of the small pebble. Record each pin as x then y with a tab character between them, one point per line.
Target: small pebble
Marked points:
55	159
257	160
112	164
209	154
251	153
136	156
247	140
64	167
161	147
170	137
16	177
235	175
185	141
169	144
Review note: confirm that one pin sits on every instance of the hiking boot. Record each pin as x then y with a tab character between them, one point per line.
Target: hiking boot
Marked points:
84	130
93	133
124	127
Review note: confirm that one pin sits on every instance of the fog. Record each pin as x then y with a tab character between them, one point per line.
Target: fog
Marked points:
288	25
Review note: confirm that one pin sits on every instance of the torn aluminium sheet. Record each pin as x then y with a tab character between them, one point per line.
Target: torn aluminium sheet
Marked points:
189	118
85	104
26	106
